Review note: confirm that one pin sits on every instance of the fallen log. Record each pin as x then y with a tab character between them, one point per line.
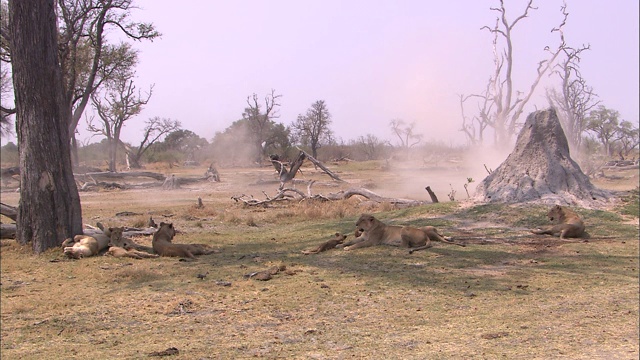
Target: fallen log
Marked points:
321	166
9	211
8	231
290	194
122	175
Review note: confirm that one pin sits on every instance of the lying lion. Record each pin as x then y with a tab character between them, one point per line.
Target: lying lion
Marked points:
374	232
163	246
119	252
569	223
338	238
82	246
119	240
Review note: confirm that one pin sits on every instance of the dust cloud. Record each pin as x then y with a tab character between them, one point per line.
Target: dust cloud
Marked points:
445	171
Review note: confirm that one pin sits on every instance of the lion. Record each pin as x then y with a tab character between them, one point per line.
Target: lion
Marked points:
163	246
569	223
118	240
82	246
338	238
375	232
119	252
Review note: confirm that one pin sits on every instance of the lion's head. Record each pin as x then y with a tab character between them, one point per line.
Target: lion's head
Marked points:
556	213
116	238
366	222
339	237
167	229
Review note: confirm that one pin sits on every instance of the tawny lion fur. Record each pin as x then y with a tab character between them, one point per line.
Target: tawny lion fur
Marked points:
119	252
375	232
163	246
338	238
82	246
569	224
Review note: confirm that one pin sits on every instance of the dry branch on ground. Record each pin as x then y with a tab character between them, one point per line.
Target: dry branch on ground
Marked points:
289	194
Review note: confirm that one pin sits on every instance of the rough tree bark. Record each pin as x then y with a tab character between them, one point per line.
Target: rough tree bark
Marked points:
49	208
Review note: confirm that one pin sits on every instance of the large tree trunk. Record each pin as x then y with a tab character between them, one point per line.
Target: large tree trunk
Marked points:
49	208
112	154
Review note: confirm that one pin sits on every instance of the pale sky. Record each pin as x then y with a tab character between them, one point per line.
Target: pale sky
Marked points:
371	61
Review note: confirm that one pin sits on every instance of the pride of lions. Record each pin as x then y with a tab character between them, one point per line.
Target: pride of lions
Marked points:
369	232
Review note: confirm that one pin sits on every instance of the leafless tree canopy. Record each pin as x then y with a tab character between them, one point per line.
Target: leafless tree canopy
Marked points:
120	102
86	57
259	119
155	129
575	99
500	105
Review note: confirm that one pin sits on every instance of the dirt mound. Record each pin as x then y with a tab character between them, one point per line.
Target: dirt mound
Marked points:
540	169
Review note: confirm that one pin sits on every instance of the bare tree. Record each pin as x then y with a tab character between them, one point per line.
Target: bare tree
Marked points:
502	105
405	133
474	128
372	147
576	99
49	208
155	129
313	128
120	103
260	121
86	57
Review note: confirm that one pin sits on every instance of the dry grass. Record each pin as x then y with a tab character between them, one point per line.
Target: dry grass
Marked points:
508	294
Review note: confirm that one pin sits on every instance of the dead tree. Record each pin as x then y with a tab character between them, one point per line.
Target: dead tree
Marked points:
575	99
321	166
288	175
284	174
433	196
259	121
501	105
120	103
212	174
171	182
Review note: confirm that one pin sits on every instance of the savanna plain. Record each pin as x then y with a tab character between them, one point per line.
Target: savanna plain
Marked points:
508	294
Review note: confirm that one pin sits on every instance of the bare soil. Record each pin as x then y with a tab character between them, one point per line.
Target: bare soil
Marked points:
507	294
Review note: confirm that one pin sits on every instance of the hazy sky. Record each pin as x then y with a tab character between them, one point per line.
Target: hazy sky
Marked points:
371	61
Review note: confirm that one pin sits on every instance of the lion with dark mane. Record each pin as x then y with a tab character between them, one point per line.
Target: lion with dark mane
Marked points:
374	232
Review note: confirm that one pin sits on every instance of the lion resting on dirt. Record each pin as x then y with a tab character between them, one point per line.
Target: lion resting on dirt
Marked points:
375	232
119	240
338	238
119	252
163	246
82	246
569	223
